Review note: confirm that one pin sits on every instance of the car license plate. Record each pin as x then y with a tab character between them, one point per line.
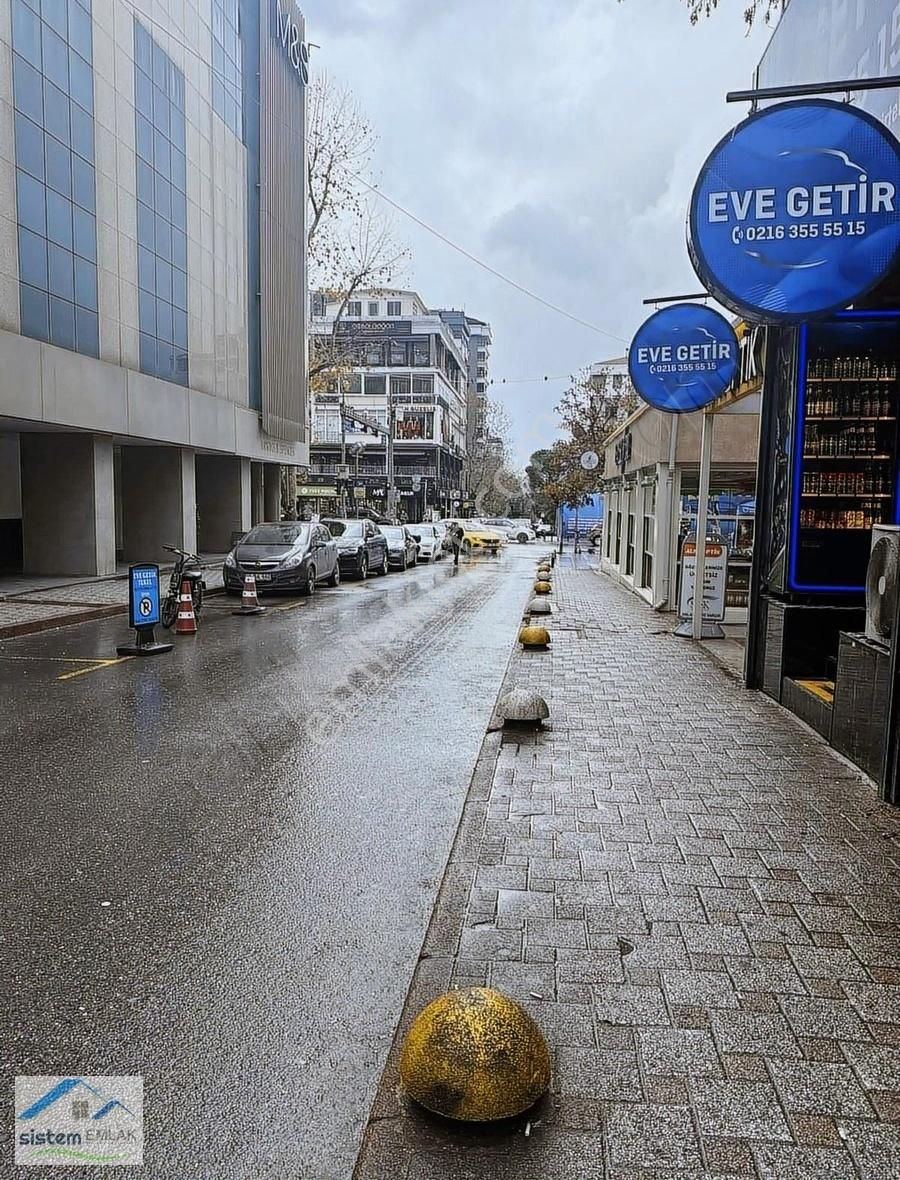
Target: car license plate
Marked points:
264	577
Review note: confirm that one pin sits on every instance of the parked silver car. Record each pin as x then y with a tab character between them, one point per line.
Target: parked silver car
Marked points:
429	538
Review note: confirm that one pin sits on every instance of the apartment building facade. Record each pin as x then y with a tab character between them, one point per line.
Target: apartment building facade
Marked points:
403	367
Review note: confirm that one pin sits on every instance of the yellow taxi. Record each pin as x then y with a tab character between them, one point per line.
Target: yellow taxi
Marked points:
477	537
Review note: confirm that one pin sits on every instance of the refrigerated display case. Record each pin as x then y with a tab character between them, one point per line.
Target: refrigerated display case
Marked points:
845	449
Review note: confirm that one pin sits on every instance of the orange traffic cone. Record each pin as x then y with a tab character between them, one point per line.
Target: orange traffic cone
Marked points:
186	624
249	599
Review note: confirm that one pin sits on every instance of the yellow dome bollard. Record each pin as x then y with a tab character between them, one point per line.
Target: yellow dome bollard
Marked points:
476	1056
542	587
544	571
534	638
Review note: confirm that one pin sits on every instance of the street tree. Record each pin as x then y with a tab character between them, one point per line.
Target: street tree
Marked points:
491	481
351	240
537	473
594	405
755	10
567	482
351	243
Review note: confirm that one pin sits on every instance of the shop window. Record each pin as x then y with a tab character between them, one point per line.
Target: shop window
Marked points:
397	353
731	514
423	386
414	425
618	557
373	354
376	383
629	545
647	551
354	383
421	354
399	387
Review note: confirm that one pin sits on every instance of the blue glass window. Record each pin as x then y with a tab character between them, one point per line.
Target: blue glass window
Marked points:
59	219
59	166
56	111
27	89
27	34
31	197
82	133
226	63
32	258
83	184
54	154
62	322
87	331
161	211
29	146
62	274
34	307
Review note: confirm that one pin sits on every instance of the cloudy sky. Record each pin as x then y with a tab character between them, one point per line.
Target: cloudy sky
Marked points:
557	140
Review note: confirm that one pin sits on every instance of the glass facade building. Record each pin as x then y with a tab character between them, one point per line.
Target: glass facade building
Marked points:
55	184
160	134
152	277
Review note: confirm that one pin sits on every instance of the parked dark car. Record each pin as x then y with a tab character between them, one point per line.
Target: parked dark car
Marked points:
290	555
361	548
403	549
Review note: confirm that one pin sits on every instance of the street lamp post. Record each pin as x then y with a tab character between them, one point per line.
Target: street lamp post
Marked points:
341	407
392	491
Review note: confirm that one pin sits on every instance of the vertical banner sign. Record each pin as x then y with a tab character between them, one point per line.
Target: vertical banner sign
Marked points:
683	358
143	595
715	574
795	212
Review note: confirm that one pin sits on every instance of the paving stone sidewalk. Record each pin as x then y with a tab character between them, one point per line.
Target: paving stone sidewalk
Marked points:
698	902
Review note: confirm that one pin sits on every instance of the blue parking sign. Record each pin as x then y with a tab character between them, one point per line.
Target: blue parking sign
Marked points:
143	595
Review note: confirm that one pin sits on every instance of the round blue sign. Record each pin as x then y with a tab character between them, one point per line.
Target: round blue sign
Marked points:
683	358
795	212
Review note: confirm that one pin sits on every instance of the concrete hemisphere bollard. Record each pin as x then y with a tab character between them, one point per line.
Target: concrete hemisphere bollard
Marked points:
534	638
523	707
539	606
476	1056
542	587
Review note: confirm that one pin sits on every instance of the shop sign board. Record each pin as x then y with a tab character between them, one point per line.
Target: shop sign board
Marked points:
143	595
833	39
715	575
683	357
795	213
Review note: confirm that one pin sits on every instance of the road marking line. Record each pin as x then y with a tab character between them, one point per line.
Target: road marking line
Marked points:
54	659
98	665
290	606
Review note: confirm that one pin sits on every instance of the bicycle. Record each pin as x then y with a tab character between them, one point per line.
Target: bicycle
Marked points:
186	569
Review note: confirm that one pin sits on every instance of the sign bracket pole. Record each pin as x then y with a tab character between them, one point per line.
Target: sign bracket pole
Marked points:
811	89
706	439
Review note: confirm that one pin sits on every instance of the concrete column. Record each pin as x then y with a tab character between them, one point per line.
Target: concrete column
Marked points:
272	491
223	500
257	492
68	504
158	502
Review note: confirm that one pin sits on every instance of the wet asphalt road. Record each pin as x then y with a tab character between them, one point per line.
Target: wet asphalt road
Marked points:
268	811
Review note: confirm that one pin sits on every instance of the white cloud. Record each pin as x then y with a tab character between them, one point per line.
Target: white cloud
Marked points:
558	141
